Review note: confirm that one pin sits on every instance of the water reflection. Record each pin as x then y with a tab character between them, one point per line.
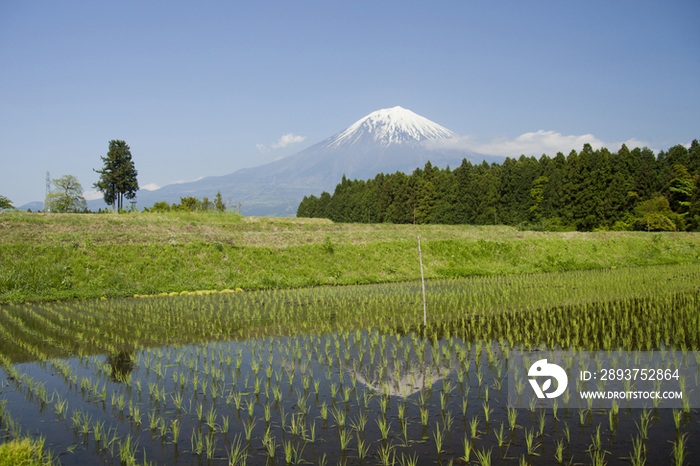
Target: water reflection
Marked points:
121	365
404	378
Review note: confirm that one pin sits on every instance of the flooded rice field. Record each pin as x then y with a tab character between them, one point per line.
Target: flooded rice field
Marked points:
344	375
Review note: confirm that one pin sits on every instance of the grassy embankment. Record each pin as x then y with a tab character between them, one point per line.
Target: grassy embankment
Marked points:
64	256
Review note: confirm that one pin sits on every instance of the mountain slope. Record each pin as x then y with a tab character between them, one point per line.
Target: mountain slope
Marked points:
387	141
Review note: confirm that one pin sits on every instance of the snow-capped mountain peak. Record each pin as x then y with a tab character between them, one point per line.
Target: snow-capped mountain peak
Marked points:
388	126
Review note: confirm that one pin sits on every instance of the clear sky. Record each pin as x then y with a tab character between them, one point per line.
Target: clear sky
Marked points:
207	88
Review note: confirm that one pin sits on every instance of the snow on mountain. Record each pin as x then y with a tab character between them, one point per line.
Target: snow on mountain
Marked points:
388	126
385	141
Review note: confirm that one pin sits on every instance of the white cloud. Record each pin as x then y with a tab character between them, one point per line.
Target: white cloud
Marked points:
538	143
92	195
150	187
284	141
288	139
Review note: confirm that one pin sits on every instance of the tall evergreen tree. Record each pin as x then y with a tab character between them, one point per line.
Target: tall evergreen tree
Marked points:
118	177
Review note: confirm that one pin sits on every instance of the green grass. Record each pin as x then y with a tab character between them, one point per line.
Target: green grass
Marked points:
73	256
25	452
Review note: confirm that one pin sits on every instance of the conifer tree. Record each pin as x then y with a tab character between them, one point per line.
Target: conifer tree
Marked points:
118	177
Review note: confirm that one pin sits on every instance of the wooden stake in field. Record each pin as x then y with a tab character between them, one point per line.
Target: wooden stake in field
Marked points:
420	258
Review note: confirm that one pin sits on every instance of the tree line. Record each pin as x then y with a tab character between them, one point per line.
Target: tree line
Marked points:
191	204
586	190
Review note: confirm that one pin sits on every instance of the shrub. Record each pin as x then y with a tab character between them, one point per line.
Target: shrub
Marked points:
161	206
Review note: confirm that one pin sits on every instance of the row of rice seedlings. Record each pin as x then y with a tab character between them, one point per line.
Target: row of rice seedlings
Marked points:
217	315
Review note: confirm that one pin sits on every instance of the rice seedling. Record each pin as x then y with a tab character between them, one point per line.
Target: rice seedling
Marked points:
467	450
76	418
163	428
237	398
135	413
474	426
175	428
311	438
210	445
297	425
448	420
559	451
386	455
384	427
98	431
500	437
678	452
250	405
483	457
127	450
530	442
408	460
597	457
269	445
677	414
211	415
582	413
358	423
200	412
643	425
345	437
637	456
424	415
152	420
248	426
487	411
339	417
324	411
60	406
512	418
401	412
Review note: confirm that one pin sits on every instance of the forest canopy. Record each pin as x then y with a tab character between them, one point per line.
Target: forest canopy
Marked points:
586	190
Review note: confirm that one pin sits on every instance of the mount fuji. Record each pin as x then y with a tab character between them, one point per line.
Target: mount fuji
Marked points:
387	141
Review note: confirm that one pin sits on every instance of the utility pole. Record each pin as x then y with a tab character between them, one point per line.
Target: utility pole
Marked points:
425	312
48	190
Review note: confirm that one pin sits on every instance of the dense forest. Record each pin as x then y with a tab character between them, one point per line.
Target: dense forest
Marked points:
586	190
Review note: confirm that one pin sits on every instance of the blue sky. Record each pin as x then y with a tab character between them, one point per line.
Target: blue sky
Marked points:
206	89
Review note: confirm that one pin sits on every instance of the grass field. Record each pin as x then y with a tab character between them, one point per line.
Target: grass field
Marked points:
73	256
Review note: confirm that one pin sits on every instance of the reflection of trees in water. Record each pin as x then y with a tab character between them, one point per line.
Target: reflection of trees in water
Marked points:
121	364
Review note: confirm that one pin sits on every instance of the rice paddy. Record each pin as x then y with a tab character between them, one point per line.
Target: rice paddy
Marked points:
343	375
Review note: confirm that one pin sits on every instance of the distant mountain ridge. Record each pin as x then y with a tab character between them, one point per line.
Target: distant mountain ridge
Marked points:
387	140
